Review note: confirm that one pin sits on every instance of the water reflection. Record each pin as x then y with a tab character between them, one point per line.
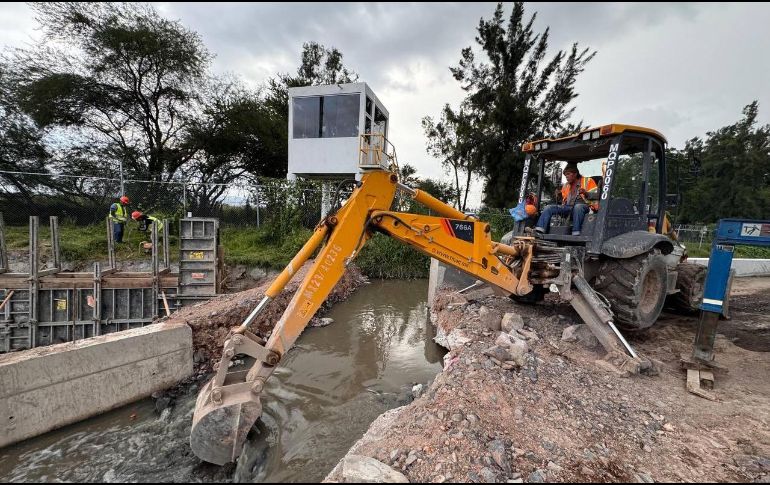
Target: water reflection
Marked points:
331	386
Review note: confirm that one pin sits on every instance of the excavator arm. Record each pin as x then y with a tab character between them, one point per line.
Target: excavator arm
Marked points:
229	405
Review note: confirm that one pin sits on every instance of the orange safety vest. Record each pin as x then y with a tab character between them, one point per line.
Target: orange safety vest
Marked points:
586	183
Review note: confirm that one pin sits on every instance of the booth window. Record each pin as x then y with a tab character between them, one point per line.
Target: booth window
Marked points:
326	116
306	119
339	115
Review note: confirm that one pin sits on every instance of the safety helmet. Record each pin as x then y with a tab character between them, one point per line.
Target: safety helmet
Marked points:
124	199
136	215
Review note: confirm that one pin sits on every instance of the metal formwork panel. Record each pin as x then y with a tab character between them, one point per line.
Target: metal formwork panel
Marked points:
14	321
198	257
56	313
17	308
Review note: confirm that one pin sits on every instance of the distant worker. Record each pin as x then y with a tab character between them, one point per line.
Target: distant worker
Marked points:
574	200
119	217
145	221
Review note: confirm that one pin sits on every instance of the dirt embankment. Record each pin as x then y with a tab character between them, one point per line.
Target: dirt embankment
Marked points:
551	413
211	321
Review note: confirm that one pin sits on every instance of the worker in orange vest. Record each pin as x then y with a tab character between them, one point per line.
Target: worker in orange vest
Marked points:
575	195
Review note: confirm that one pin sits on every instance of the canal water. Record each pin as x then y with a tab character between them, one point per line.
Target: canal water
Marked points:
330	387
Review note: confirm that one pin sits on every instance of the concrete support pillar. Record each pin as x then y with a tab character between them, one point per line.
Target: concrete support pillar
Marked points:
326	198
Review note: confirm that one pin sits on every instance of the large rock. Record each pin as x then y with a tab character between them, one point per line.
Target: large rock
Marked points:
499	353
503	340
362	469
580	333
456	339
518	351
511	322
497	450
322	322
514	348
490	318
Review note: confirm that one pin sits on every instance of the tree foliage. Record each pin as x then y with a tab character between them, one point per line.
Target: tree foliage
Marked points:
237	138
729	172
319	65
21	146
451	140
119	76
514	94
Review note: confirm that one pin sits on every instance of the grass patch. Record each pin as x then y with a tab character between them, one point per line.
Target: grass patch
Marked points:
260	246
385	258
750	252
85	243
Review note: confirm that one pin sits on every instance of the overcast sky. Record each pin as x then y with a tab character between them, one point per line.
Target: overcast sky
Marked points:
683	69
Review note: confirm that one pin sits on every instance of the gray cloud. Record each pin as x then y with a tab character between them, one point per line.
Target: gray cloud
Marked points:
683	69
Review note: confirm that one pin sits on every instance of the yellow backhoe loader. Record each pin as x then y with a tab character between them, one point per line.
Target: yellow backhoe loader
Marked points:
229	405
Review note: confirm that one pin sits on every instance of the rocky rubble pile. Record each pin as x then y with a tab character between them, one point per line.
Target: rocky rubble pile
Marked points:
520	399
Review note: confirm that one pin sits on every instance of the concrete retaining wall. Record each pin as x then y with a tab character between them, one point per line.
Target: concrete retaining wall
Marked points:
46	388
742	266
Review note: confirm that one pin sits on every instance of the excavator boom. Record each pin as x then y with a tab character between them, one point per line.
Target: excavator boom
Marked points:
229	405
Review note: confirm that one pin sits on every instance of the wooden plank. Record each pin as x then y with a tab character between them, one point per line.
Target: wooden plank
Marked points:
48	272
693	385
707	379
7	297
165	303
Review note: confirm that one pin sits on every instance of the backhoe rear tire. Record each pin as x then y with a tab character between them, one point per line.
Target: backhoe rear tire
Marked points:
635	288
690	281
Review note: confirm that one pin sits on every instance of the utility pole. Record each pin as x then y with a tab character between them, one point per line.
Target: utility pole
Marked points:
122	188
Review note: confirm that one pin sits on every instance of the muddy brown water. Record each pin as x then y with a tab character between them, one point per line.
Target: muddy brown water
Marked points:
332	385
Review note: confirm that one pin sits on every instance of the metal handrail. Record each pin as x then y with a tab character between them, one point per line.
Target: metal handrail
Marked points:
374	149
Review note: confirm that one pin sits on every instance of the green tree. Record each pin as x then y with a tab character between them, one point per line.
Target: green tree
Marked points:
514	95
22	149
236	138
731	170
439	189
319	65
451	140
117	77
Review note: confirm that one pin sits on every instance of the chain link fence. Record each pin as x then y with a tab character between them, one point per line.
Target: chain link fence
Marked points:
86	200
701	235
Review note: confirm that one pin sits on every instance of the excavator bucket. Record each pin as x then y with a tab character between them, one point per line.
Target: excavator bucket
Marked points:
228	405
219	429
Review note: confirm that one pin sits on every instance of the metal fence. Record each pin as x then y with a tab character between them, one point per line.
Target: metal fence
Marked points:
696	234
85	200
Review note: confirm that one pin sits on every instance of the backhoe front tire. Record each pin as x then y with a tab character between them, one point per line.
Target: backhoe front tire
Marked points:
635	288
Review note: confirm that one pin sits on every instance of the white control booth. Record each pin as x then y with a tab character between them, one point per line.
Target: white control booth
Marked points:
325	125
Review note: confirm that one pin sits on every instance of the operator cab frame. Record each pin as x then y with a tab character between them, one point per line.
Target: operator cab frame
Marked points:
631	187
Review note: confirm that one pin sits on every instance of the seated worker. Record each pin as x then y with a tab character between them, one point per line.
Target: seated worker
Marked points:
574	197
145	221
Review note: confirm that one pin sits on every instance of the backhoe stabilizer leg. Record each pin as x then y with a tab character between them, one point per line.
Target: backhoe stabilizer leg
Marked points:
620	354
